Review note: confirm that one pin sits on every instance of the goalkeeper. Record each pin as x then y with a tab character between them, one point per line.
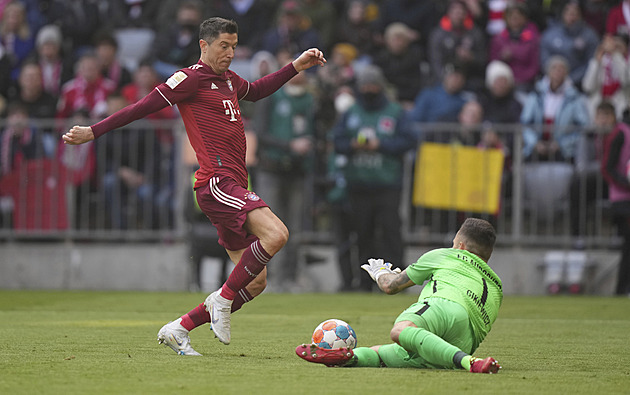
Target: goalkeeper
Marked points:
454	312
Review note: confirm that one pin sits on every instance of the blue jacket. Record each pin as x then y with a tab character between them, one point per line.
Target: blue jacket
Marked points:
572	115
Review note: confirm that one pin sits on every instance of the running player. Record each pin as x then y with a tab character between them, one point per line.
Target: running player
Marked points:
207	95
454	312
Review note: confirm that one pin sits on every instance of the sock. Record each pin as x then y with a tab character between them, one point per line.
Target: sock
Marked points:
252	262
195	317
462	360
466	362
429	346
365	357
242	297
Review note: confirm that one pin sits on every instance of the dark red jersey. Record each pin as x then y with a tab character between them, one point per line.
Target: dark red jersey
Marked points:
210	110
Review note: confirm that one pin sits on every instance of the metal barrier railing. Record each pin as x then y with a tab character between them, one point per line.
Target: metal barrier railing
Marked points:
132	184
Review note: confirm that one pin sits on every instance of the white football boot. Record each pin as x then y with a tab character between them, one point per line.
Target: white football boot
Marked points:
176	337
220	310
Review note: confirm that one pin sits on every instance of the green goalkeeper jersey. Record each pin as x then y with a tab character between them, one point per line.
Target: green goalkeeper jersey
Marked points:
464	278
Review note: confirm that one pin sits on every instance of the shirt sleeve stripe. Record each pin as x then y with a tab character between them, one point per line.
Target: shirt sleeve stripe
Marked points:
169	103
246	92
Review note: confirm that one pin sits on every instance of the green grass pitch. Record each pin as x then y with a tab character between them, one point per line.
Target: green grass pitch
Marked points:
105	343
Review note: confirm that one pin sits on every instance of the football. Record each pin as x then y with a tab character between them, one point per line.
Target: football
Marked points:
334	333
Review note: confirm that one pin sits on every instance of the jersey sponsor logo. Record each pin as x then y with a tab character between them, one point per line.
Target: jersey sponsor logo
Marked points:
230	109
176	79
213	86
229	84
252	196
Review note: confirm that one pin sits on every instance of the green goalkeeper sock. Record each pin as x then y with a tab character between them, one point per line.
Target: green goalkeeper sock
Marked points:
365	357
430	347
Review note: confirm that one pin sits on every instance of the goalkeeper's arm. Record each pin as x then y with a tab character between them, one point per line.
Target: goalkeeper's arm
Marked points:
392	283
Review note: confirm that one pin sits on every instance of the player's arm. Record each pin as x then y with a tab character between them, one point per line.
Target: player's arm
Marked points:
389	279
392	283
270	83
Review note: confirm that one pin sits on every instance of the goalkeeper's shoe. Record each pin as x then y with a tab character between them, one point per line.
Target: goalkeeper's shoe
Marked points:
316	354
176	337
487	365
220	310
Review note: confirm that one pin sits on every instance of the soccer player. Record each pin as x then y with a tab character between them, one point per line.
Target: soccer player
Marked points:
207	95
454	312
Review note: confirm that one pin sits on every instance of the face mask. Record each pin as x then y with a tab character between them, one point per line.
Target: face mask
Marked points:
371	100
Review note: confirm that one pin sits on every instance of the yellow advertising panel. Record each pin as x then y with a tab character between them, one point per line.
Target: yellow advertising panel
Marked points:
456	177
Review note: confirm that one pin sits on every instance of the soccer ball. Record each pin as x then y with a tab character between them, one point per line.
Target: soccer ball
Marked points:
334	333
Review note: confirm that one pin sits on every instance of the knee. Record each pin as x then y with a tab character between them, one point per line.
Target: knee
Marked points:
394	334
277	238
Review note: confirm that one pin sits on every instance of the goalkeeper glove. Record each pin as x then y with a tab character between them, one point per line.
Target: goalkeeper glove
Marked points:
378	267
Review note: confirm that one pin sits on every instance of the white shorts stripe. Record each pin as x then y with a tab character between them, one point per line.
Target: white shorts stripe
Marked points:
223	197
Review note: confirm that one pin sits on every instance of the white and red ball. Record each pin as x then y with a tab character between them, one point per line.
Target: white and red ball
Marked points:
334	333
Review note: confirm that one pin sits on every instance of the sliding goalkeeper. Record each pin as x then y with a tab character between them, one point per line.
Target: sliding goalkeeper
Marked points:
454	312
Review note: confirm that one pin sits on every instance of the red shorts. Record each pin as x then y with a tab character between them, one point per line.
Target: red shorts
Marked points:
226	204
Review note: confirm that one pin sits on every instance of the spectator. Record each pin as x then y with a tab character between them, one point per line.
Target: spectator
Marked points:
458	40
584	183
16	36
401	61
357	28
372	136
443	101
572	39
253	17
554	112
138	14
106	49
322	15
518	45
615	170
292	32
608	75
56	69
595	13
616	22
285	150
177	45
498	101
421	15
30	93
20	141
5	77
131	163
78	20
87	91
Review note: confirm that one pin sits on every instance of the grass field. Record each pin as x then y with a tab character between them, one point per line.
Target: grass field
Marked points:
105	343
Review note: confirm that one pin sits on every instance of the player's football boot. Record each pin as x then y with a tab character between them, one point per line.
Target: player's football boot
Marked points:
487	365
176	337
316	354
220	311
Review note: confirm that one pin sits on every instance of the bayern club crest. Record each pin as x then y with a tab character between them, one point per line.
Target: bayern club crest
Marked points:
251	196
229	84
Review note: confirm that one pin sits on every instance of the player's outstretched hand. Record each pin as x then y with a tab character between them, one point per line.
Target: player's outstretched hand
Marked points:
78	135
309	58
378	267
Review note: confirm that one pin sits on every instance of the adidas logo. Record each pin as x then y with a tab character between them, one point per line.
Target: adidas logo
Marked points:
213	86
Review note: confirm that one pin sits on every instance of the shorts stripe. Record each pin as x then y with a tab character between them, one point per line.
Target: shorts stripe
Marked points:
423	309
223	197
258	254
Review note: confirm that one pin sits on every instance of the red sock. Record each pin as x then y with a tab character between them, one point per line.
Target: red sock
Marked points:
242	297
252	262
195	317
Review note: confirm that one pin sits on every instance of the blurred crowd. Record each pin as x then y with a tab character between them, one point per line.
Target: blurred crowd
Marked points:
547	65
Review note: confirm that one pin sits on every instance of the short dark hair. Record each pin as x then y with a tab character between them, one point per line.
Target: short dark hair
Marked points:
606	107
211	28
479	236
